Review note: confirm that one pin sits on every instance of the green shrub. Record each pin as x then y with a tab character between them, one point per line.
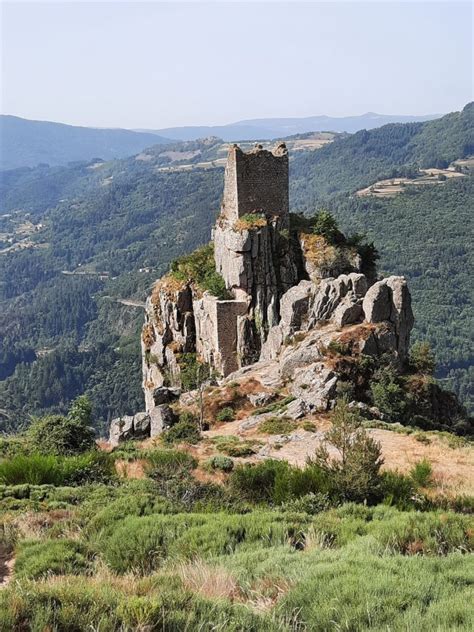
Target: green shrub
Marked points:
422	358
200	267
277	425
397	489
323	223
35	559
220	462
168	463
41	469
355	474
226	414
182	432
63	436
388	395
421	473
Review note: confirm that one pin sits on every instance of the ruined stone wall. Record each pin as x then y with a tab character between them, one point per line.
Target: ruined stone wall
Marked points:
227	315
256	182
216	332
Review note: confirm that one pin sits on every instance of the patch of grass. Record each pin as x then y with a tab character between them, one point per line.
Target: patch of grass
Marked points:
275	406
40	469
36	559
168	463
250	221
277	425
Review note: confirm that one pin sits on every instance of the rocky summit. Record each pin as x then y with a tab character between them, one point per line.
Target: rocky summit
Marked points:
271	295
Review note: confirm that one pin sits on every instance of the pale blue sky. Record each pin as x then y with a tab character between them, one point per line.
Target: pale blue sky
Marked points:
153	64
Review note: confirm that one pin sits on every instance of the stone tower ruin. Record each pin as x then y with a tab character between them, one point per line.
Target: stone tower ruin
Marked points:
256	182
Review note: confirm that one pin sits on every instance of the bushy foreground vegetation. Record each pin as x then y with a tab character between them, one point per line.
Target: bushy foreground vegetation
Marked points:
272	547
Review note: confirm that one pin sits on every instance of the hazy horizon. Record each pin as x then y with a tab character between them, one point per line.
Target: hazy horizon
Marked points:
151	65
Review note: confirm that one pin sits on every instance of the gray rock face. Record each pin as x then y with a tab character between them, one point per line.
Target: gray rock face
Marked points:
348	289
129	427
260	399
296	409
162	417
255	262
314	386
294	306
165	395
389	301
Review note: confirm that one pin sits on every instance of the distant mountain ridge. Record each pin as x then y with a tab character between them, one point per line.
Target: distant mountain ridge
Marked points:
26	143
266	129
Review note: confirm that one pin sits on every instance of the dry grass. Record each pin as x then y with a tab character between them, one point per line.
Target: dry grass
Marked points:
32	525
317	250
148	335
131	469
212	582
168	285
249	222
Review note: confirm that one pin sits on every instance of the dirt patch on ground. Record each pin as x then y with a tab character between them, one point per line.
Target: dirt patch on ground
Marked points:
7	563
453	467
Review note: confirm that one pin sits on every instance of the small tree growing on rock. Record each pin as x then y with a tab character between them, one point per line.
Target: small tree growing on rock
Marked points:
350	457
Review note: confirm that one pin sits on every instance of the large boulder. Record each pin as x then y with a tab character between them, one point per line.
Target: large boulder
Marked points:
389	301
162	418
129	427
294	307
348	289
314	386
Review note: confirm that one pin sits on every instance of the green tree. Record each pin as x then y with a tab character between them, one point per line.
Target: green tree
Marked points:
354	470
422	358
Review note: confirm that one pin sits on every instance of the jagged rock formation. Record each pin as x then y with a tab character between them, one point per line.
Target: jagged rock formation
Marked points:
282	282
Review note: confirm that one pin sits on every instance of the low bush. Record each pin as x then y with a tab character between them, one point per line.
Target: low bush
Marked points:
168	463
277	425
63	436
80	604
36	559
421	473
220	462
182	432
226	414
40	469
144	544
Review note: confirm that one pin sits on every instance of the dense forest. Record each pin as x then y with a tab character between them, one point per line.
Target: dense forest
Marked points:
109	229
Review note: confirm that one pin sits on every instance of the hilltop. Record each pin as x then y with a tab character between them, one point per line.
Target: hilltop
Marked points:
129	220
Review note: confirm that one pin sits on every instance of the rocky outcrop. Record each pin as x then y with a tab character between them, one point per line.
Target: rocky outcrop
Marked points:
286	295
129	427
389	301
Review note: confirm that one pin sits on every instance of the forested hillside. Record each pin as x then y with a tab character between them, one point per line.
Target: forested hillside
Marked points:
28	143
104	231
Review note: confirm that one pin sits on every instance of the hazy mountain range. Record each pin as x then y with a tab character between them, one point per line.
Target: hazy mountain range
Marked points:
27	143
265	129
